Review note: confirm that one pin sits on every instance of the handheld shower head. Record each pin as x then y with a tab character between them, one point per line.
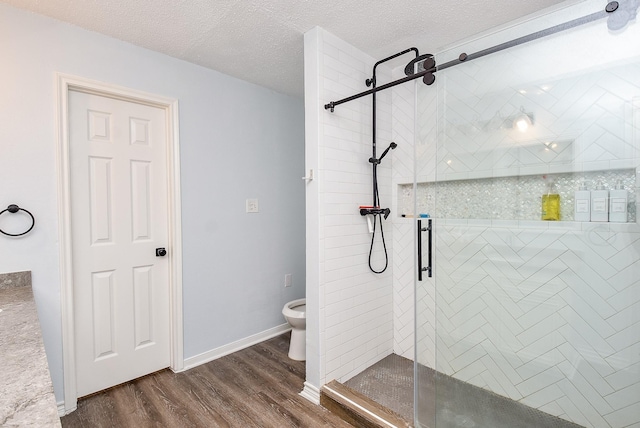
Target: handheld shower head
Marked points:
391	146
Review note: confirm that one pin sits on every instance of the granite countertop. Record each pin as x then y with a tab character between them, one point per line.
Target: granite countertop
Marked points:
26	391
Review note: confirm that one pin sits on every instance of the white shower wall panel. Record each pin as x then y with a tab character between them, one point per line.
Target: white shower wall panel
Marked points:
356	305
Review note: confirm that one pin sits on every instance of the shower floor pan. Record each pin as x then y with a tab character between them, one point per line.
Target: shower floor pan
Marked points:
457	404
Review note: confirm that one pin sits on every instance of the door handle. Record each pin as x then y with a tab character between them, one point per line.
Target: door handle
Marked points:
161	252
428	268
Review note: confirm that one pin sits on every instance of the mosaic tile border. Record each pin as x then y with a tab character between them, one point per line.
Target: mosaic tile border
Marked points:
509	198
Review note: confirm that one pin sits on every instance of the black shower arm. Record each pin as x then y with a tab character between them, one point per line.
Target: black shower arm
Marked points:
373	79
611	7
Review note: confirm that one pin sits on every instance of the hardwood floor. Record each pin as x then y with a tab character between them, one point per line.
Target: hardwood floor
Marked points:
254	387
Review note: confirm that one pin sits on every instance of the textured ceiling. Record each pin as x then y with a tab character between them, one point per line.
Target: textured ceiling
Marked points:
262	41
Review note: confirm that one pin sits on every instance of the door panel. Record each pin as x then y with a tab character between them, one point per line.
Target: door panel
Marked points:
119	216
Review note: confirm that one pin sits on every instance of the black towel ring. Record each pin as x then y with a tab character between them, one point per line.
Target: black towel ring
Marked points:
14	209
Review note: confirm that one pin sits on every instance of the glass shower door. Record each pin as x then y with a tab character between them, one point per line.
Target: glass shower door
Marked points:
532	317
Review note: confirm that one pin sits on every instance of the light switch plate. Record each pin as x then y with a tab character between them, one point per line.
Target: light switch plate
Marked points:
252	206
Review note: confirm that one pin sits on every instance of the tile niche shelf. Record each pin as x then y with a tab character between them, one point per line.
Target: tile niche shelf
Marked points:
510	198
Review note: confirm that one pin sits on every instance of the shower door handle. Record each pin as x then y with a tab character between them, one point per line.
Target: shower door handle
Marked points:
421	229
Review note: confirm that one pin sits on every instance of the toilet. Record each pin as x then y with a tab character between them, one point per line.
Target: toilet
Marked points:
295	312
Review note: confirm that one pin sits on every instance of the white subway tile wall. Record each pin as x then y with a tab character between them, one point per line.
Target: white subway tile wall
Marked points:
356	304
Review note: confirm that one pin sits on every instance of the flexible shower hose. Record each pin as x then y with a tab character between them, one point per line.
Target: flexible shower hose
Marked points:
373	235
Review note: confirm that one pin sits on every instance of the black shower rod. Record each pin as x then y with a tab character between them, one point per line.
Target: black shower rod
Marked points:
463	57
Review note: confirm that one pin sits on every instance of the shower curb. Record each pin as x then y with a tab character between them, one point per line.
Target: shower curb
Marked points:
357	409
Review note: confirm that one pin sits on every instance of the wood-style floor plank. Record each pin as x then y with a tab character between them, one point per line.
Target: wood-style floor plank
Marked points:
132	405
254	387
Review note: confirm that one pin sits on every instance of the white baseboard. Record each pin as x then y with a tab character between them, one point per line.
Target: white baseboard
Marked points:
232	347
62	410
311	393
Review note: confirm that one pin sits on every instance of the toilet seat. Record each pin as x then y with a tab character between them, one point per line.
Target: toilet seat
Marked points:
295	309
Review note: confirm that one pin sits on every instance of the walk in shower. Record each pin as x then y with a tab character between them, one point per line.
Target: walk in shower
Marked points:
525	322
544	313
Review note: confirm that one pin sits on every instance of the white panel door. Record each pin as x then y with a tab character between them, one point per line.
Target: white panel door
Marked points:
119	216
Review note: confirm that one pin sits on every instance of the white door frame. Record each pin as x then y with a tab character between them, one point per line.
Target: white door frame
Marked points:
66	83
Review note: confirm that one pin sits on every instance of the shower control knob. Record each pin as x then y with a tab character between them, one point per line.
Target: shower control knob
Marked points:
161	252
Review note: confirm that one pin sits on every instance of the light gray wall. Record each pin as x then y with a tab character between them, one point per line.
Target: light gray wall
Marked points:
238	141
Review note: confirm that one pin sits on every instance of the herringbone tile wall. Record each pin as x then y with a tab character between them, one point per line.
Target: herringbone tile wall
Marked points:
546	316
580	123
